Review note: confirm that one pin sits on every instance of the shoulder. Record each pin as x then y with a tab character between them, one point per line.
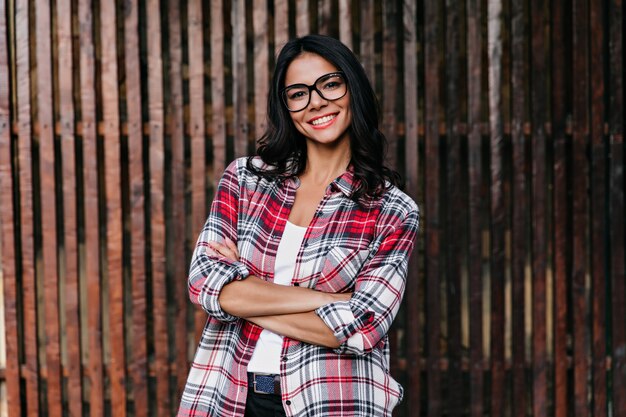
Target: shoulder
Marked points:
398	209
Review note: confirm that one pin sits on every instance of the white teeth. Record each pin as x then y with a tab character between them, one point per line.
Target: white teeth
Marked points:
323	120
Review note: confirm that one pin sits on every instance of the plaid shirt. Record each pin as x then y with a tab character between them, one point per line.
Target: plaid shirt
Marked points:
362	248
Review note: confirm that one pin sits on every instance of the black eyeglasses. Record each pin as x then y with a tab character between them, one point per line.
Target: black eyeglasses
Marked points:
330	87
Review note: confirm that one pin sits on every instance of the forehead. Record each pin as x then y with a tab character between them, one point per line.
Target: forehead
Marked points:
307	68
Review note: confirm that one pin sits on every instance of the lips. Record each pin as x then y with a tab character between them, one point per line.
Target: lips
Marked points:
323	121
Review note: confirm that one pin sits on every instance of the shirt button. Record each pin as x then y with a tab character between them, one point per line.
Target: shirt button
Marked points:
296	284
284	359
288	402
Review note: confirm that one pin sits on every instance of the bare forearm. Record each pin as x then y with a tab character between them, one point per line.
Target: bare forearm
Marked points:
305	327
253	297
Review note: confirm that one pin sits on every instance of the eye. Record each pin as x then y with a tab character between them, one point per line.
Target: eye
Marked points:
296	94
332	83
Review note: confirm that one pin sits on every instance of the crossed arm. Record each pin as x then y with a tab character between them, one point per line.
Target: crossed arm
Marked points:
285	310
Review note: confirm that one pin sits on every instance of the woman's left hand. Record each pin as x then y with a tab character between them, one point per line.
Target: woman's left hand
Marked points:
227	249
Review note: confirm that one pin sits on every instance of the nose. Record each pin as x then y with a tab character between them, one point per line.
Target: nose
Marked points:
317	100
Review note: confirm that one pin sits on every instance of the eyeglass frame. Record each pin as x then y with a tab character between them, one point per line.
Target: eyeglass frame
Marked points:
313	87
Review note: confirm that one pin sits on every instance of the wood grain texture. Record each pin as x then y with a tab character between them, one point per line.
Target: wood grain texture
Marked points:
47	195
432	206
390	75
8	252
367	50
345	23
412	163
598	209
281	24
175	118
475	205
497	210
261	67
197	131
324	17
616	202
157	209
138	358
65	69
94	370
580	175
30	369
303	25
240	79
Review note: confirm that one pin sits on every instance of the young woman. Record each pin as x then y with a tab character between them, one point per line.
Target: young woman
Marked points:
302	262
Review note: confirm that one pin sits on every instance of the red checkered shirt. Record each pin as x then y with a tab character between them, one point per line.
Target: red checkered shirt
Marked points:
362	248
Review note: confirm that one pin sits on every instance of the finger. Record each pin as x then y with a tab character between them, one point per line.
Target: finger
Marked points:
224	251
232	246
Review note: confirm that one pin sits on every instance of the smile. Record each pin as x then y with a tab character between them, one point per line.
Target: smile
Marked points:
324	120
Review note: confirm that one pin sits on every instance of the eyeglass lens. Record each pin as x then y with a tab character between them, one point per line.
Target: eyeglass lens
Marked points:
329	87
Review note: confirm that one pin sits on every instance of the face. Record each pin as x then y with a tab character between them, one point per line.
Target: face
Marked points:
322	122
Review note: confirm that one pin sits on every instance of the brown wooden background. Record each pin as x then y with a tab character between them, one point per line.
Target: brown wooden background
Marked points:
506	117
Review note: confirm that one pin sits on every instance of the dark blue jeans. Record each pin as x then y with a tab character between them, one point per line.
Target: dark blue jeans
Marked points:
264	405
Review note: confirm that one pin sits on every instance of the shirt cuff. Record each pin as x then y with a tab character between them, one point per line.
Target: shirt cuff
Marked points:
343	321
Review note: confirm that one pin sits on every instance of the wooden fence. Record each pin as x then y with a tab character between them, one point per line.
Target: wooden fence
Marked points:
505	117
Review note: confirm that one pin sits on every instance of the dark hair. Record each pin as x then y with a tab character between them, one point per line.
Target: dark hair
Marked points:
284	148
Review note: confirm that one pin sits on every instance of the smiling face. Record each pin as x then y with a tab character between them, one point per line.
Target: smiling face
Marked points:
322	122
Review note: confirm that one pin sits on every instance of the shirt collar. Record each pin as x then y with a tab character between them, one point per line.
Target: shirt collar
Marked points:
346	183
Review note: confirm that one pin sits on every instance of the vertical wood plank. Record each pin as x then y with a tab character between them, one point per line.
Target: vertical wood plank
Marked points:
45	120
497	209
455	216
432	205
281	24
176	133
113	186
345	22
475	206
580	116
240	83
7	228
29	288
303	26
598	209
65	69
519	80
560	208
196	129
390	90
324	16
138	366
217	90
91	208
412	349
261	68
367	39
157	215
616	201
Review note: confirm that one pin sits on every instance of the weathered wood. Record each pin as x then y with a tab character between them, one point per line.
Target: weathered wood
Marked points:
497	210
30	370
431	214
580	114
598	209
261	67
303	26
390	75
91	225
240	78
217	90
455	215
616	202
138	362
157	214
175	128
560	208
48	200
324	17
65	66
113	186
412	163
518	236
196	130
367	39
281	24
475	205
8	253
345	22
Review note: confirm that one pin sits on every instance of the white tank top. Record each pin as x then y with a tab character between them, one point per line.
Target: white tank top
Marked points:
266	355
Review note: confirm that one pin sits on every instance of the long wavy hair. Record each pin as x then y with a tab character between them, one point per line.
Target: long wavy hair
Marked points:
283	147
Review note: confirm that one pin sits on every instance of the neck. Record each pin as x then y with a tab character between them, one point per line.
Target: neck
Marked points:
324	165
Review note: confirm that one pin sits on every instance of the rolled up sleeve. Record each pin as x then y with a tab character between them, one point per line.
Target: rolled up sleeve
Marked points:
208	274
360	323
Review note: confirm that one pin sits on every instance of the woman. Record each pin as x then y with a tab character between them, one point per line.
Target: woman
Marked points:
301	265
